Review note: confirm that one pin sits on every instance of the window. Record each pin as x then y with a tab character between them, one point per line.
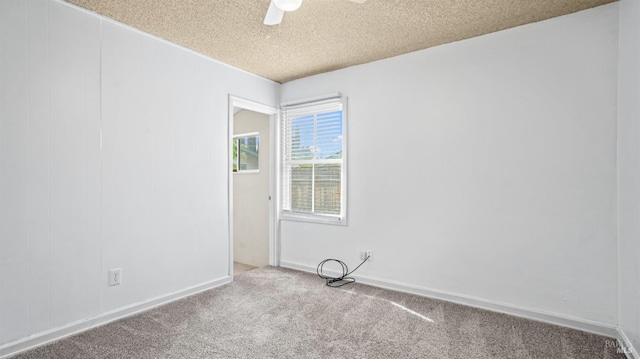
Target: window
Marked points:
314	176
246	149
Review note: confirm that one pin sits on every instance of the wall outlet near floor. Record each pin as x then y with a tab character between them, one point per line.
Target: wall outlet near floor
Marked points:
366	254
115	276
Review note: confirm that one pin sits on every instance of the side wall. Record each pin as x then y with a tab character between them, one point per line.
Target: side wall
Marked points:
113	153
629	172
485	170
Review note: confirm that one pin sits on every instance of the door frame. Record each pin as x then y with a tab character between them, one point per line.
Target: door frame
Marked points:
274	228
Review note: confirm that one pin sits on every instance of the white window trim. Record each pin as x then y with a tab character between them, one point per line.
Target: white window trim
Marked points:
246	172
324	218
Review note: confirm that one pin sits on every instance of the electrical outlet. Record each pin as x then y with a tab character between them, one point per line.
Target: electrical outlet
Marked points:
115	276
365	254
369	254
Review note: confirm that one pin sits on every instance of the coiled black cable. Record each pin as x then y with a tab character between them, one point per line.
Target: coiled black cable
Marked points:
337	281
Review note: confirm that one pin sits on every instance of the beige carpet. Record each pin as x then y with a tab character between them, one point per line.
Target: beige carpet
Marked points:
278	313
239	268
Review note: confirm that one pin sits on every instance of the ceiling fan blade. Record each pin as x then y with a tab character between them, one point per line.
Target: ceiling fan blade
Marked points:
274	15
359	1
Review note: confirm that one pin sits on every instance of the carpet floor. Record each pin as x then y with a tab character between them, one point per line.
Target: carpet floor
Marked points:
279	313
239	268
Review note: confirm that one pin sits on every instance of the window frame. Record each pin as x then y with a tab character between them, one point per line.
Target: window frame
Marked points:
245	135
287	214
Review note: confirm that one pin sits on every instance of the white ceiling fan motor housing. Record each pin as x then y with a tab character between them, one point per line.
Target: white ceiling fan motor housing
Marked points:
288	5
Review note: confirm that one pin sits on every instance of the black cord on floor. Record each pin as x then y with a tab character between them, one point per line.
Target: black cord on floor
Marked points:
338	281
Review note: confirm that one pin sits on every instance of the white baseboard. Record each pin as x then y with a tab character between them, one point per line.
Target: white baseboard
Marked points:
518	311
627	345
51	335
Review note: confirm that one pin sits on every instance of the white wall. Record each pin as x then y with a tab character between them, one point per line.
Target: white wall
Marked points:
629	171
113	153
251	196
484	168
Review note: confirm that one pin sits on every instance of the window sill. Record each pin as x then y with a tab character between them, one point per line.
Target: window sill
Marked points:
313	218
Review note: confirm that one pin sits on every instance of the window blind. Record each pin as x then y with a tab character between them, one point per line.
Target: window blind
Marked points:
313	154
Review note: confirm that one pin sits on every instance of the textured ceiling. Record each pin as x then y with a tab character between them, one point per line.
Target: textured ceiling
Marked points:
323	35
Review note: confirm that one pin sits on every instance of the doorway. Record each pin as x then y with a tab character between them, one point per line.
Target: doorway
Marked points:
252	204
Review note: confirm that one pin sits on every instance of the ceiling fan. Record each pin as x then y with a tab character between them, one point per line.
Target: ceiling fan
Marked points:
278	7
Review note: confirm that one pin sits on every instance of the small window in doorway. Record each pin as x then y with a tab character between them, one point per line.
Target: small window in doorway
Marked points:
246	150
